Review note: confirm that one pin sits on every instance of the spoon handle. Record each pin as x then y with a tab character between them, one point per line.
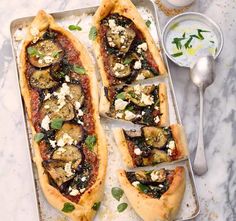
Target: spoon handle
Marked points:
200	164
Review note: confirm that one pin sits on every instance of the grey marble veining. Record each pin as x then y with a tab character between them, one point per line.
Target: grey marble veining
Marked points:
217	189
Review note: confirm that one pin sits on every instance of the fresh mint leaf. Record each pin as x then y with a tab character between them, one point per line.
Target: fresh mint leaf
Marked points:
148	23
117	193
121	207
93	33
78	69
96	206
38	137
74	28
68	207
56	123
90	141
121	96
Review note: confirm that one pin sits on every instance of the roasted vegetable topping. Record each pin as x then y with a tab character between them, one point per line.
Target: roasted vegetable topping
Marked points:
154	136
42	79
153	183
44	53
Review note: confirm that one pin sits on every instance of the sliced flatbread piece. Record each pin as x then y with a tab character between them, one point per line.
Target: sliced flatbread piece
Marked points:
154	195
141	104
151	145
124	47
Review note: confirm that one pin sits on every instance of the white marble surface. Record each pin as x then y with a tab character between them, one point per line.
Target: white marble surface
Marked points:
217	189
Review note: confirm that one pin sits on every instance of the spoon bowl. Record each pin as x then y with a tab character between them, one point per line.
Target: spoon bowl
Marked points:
202	75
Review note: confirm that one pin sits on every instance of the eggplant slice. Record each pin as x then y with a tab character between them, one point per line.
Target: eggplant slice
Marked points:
42	79
120	38
44	53
51	108
68	153
159	156
73	130
154	136
77	94
56	169
119	69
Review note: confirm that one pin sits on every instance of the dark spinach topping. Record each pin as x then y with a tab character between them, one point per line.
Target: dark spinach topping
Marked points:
152	185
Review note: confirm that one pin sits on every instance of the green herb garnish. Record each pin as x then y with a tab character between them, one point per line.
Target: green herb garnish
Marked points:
78	69
177	42
121	207
34	52
90	141
143	188
129	108
38	137
74	28
187	44
177	54
93	33
148	23
96	206
212	42
68	207
174	26
127	61
121	96
117	193
55	54
56	123
199	31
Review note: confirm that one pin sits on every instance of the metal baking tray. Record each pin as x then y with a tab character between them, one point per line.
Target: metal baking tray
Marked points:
190	205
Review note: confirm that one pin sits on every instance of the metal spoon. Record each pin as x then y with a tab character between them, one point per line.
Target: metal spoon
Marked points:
202	75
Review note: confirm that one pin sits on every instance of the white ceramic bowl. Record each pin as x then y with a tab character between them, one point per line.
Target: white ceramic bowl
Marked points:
191	16
180	3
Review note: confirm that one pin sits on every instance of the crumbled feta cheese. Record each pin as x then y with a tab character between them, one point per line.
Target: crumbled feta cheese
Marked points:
137	65
68	170
137	151
140	77
74	192
112	23
120	104
169	152
65	139
48	95
147	99
137	89
53	143
45	123
143	112
161	185
80	113
129	115
155	175
83	178
119	115
156	108
46	106
48	59
34	31
156	119
77	105
61	95
80	122
118	67
67	78
171	144
142	47
82	190
135	183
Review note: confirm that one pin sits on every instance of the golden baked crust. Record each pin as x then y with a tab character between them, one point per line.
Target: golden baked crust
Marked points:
151	209
127	9
178	136
123	147
83	210
164	118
